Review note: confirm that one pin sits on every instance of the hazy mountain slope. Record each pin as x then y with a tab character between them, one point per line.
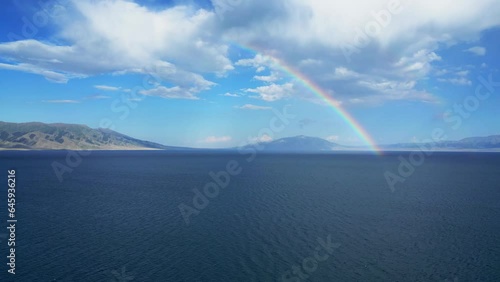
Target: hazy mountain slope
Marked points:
471	143
296	144
481	142
313	144
36	135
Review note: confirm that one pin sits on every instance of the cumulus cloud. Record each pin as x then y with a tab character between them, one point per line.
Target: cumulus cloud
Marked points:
314	21
99	37
316	33
272	92
268	78
391	49
259	62
396	81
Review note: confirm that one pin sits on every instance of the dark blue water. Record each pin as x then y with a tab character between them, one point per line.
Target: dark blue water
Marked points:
116	217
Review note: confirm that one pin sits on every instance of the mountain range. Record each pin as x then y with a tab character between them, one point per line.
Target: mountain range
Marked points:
60	136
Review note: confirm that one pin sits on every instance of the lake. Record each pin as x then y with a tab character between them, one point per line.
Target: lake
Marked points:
222	216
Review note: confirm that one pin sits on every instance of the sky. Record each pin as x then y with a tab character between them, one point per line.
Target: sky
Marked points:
223	73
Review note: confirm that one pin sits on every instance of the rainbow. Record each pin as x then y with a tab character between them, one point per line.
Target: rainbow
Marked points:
320	93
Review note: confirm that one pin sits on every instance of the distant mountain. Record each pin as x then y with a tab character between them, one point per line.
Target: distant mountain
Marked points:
296	144
314	144
481	142
471	143
37	135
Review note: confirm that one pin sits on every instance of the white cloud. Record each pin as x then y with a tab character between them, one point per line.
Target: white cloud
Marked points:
97	97
73	62
315	21
106	87
403	52
135	99
261	139
342	73
392	90
310	62
416	65
61	101
259	62
333	138
183	44
272	92
457	78
456	81
123	37
175	92
216	139
253	107
268	78
29	68
441	72
396	81
477	50
230	95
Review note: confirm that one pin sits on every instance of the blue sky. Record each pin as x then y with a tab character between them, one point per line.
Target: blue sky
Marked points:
181	73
